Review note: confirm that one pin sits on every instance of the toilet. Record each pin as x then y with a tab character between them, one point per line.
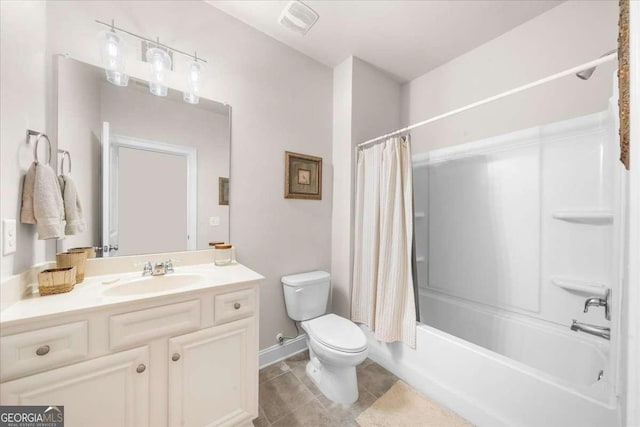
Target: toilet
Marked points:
336	345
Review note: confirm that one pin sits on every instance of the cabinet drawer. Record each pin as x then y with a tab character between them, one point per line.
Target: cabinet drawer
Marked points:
139	327
42	349
234	305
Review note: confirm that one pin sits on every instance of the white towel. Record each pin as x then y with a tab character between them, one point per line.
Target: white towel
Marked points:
26	211
42	202
72	206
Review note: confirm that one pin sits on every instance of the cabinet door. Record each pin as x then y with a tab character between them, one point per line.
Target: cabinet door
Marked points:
213	376
108	391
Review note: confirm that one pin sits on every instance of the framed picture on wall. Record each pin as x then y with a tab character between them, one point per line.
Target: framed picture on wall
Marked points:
302	176
223	191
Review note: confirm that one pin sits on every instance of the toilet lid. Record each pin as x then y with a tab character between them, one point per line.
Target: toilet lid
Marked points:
337	333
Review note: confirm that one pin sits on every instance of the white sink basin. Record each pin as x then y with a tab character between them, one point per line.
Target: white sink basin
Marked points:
153	284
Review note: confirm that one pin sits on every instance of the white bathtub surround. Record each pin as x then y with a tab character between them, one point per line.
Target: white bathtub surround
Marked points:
511	308
547	201
383	295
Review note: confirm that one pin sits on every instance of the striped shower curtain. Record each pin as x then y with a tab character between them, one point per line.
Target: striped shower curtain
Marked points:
383	294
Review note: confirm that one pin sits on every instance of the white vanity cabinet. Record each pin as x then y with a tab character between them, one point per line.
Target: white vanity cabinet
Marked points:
187	359
213	365
113	389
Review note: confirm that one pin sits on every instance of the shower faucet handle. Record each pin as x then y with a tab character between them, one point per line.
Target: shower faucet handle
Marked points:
599	302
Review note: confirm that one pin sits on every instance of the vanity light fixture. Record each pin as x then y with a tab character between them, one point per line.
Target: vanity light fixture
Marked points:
160	62
159	58
113	57
194	81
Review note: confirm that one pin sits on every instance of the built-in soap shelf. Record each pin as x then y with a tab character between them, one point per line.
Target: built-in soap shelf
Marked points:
590	288
418	214
585	217
419	259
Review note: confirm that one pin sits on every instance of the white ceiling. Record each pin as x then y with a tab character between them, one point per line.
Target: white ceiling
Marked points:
405	38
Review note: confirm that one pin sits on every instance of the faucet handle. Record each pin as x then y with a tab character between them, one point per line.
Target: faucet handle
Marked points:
148	268
168	265
599	302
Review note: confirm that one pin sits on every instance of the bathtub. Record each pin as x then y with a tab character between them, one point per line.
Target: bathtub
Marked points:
573	359
490	389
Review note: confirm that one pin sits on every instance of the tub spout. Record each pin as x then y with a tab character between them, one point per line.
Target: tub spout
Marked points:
599	331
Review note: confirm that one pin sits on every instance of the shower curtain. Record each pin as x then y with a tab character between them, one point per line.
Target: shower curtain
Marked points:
383	293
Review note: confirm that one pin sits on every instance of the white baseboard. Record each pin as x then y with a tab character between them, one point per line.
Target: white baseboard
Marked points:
277	352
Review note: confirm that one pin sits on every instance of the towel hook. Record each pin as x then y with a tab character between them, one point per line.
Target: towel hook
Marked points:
40	136
65	155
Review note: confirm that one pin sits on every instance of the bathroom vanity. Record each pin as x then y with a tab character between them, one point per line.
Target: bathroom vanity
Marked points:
126	350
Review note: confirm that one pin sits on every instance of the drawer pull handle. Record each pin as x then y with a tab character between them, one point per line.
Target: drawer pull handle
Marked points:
141	368
175	357
43	350
236	305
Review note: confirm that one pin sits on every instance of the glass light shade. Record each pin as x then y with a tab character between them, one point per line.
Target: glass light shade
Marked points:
194	82
113	58
160	62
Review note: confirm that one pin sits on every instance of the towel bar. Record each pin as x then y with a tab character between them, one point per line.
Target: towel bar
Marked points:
40	135
65	155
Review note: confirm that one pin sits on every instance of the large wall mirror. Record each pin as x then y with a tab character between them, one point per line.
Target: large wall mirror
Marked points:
151	172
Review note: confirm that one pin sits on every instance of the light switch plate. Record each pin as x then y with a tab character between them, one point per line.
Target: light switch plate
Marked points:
214	221
9	236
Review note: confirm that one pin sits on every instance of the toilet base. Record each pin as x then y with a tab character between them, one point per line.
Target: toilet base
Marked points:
338	384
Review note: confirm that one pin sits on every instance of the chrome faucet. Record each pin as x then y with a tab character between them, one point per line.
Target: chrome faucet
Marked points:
599	302
158	269
148	269
599	331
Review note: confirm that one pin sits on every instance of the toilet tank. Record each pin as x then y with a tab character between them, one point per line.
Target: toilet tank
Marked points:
306	294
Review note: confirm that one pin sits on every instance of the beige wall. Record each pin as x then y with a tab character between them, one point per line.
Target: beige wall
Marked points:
566	36
366	104
281	101
23	105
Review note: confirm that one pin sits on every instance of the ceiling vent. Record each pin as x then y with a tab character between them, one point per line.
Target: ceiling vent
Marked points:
298	17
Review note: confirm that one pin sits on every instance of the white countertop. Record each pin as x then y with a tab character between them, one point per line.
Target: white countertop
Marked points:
89	295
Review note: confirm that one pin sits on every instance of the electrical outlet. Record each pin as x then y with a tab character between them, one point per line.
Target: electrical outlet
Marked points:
214	221
9	236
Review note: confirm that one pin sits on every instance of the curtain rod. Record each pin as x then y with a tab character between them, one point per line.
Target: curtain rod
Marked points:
570	71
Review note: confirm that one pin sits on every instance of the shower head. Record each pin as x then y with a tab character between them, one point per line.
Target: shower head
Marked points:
586	74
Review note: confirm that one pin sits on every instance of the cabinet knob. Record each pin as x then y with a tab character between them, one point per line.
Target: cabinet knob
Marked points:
42	350
175	357
141	368
236	305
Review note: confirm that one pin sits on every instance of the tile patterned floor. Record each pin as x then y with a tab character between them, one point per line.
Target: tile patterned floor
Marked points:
289	398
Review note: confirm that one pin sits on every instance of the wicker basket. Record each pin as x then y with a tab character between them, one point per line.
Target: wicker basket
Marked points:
73	258
56	280
90	250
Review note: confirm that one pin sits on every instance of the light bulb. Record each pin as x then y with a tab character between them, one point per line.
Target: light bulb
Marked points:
160	62
113	58
194	82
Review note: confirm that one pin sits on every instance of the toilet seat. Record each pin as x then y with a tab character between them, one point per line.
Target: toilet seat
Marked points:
337	333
